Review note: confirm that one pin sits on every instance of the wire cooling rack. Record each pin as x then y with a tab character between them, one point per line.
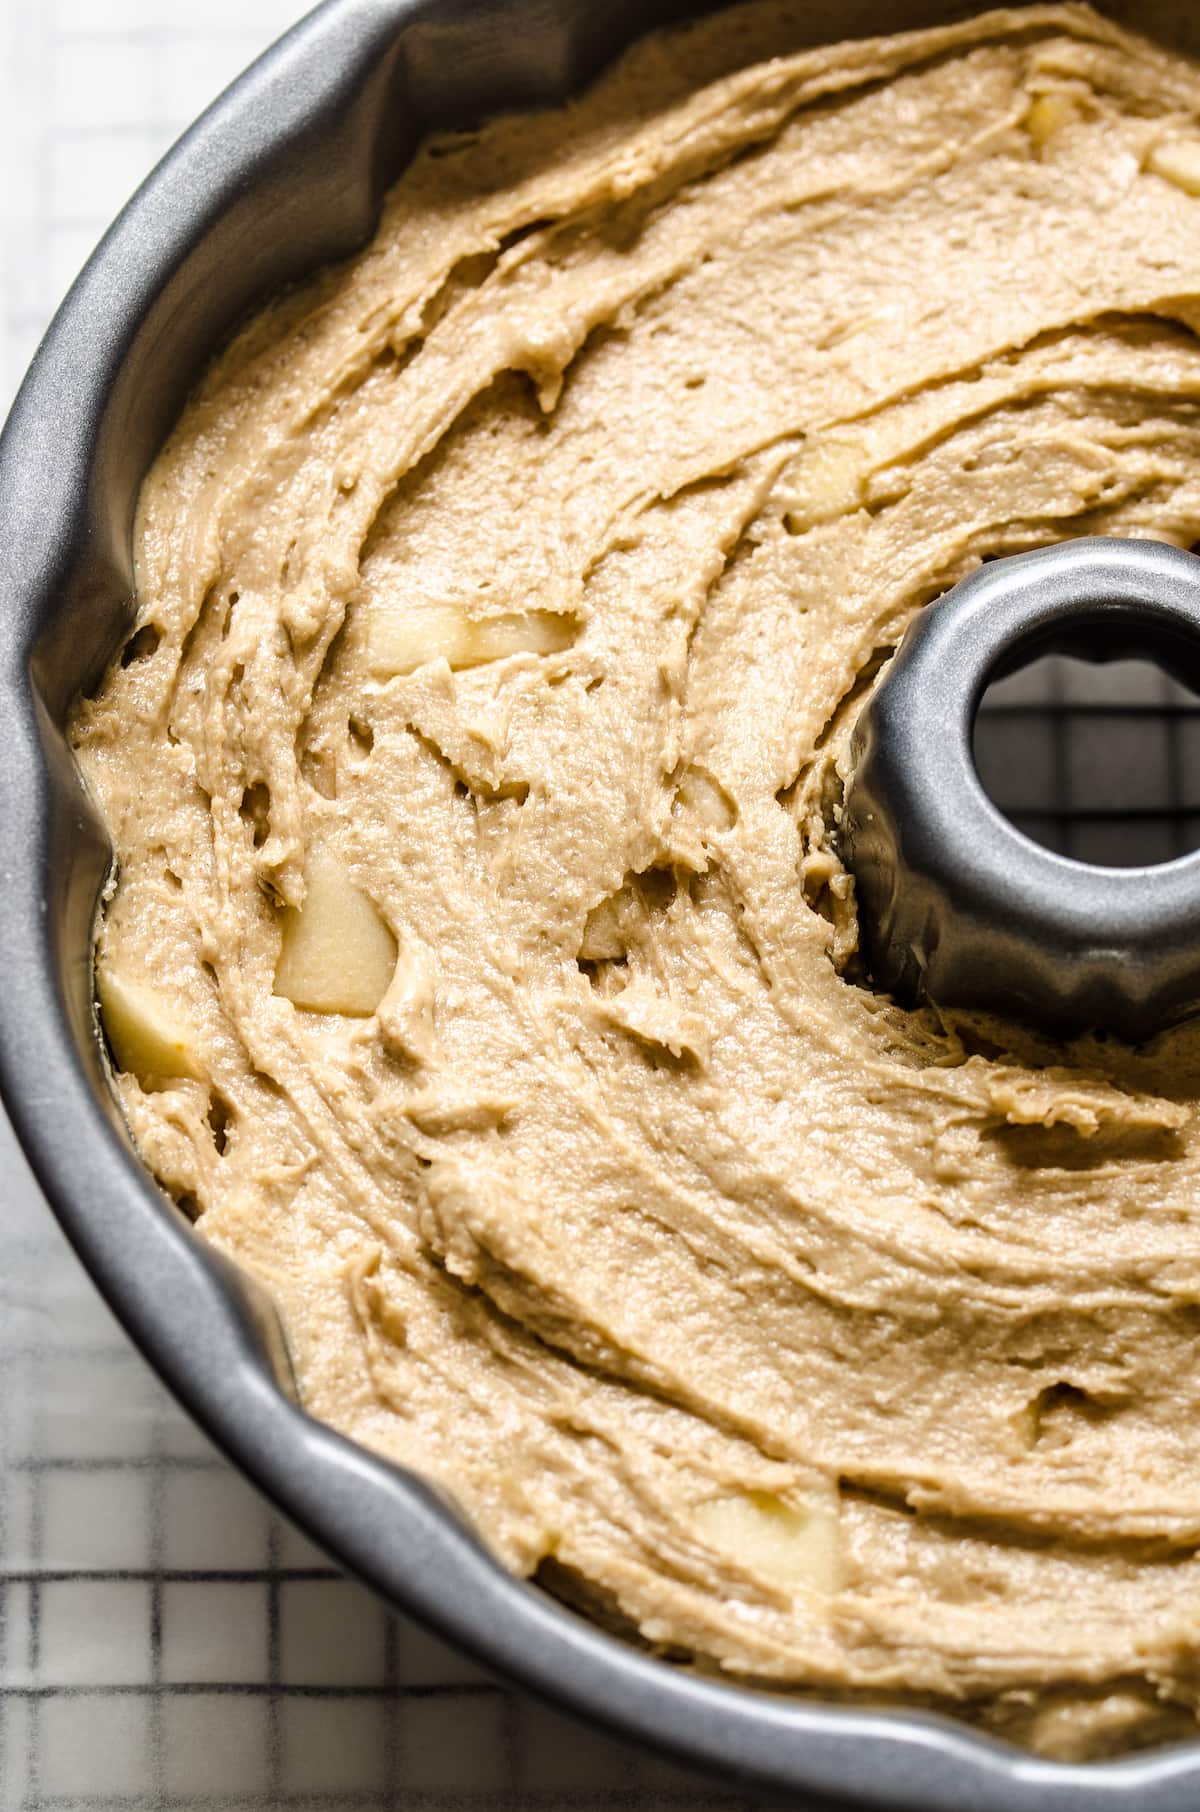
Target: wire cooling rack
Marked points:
1100	762
166	1641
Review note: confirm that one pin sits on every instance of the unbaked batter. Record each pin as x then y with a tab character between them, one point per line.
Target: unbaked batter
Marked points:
482	972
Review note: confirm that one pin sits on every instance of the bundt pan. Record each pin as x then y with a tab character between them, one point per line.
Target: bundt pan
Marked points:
285	172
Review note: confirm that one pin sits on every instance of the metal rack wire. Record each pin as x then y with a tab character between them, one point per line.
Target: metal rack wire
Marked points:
1099	762
168	1643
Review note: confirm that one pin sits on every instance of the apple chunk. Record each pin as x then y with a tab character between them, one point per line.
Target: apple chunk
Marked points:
337	954
794	1547
1048	116
150	1034
401	638
825	484
1177	160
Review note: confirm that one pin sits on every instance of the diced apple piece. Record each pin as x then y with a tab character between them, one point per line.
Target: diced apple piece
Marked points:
825	484
150	1034
605	933
401	638
1177	160
338	955
797	1548
700	793
1048	115
521	632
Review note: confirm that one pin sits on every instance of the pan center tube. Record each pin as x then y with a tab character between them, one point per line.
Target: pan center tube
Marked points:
958	904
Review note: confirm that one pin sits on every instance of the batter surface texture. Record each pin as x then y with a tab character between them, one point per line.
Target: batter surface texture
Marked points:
481	970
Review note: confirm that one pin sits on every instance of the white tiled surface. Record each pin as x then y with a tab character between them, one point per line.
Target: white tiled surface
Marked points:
164	1640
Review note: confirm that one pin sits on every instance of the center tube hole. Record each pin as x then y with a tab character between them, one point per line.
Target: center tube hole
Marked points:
1096	759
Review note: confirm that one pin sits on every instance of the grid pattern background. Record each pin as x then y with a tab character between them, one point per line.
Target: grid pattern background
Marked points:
1100	762
166	1641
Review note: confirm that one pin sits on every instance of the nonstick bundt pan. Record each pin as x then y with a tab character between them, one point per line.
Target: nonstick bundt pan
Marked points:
285	172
